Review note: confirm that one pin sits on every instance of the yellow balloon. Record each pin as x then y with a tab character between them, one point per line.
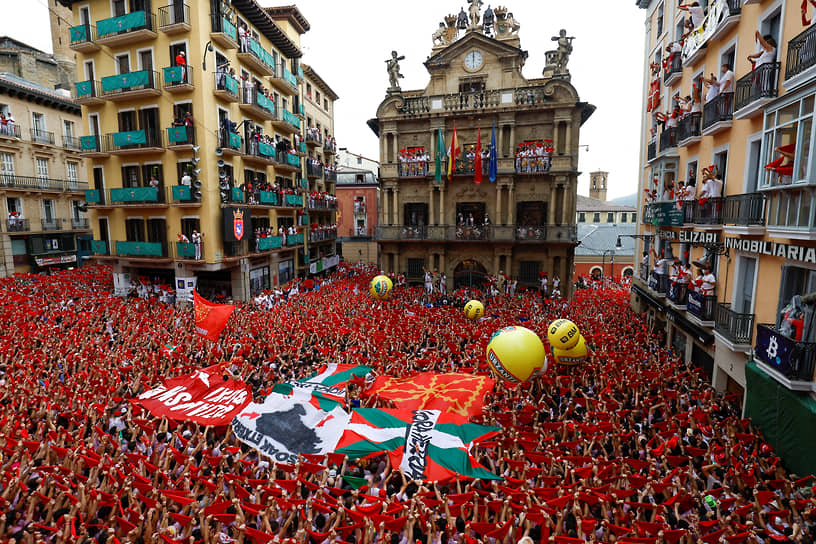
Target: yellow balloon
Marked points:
474	309
515	354
380	286
577	354
562	334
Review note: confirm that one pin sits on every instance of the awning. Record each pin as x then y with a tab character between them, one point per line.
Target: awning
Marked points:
702	335
649	298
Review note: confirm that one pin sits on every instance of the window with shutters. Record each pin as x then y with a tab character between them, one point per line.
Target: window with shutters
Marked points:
7	168
42	171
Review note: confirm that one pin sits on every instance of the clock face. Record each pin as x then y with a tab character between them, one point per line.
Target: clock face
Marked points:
473	60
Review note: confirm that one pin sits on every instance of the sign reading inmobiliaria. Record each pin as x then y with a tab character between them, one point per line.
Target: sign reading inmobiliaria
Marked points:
203	397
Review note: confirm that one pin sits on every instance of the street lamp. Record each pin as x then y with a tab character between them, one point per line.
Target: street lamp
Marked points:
603	262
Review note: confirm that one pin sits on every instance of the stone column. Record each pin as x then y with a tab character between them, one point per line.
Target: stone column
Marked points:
565	199
500	142
497	219
384	217
551	206
556	124
441	205
432	197
398	206
511	205
513	142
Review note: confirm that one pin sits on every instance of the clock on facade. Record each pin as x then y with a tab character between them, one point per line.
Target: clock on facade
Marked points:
473	60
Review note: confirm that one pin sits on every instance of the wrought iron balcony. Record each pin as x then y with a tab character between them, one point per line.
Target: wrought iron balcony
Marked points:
668	139
709	212
136	195
51	224
174	19
134	142
230	143
546	233
178	79
651	151
180	136
314	170
69	142
413	169
79	224
17	224
746	210
644	272
801	53
701	306
41	183
322	236
689	128
257	103
718	110
678	294
133	27
223	29
737	328
450	233
226	87
141	249
131	85
83	38
10	131
761	83
795	360
268	243
674	70
187	251
39	136
94	145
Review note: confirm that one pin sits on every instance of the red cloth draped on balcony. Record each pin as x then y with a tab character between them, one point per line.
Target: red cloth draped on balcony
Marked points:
805	20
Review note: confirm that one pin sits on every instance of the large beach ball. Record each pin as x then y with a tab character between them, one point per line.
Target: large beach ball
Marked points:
577	354
562	334
474	309
380	286
515	354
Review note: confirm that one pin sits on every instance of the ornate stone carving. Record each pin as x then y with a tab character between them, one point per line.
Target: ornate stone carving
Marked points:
394	75
506	25
447	32
557	60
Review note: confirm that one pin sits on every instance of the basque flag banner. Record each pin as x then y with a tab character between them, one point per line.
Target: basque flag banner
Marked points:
327	387
210	319
427	445
461	394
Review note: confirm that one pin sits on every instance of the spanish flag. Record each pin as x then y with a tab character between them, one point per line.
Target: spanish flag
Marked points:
452	154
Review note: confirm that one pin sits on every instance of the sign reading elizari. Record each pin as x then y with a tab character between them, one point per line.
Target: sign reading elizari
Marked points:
784	251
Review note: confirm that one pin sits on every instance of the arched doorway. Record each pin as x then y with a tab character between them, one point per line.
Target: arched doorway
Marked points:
469	273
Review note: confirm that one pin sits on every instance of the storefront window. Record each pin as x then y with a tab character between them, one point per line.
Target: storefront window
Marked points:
258	280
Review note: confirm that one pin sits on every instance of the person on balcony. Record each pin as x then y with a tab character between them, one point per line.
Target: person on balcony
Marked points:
713	85
712	184
696	15
181	60
766	53
428	282
196	238
726	81
243	34
708	282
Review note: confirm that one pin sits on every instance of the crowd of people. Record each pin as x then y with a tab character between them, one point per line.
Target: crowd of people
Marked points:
413	162
7	124
632	446
534	157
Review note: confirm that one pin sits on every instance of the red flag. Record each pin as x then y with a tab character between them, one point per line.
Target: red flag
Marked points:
477	160
461	394
210	319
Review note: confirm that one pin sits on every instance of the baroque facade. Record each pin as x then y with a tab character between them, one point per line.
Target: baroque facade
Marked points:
523	223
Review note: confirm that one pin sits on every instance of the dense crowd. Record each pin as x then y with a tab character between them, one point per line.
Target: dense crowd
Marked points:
632	446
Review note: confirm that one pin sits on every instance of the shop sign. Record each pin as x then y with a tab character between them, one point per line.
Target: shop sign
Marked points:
49	261
792	252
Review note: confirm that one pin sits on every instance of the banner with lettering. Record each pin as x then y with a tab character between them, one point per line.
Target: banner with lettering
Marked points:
427	445
327	387
284	427
203	397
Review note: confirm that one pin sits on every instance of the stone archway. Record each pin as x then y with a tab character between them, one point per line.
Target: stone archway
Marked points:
470	273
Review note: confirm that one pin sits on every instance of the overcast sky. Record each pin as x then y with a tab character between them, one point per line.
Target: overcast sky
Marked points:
349	42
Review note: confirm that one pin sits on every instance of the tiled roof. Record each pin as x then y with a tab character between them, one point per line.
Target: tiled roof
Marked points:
586	204
20	84
599	237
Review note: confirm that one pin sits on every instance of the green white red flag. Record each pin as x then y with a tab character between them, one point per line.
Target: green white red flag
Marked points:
461	394
426	444
325	388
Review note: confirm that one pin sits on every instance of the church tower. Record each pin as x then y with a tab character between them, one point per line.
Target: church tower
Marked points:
62	19
597	185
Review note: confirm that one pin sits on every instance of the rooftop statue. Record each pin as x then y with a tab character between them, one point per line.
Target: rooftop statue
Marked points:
462	19
487	20
393	68
506	25
564	51
474	12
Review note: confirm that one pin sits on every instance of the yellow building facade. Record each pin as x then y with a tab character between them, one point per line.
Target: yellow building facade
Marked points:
522	224
729	98
192	122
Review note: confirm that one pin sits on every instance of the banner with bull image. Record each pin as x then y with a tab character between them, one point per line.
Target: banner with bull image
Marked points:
282	427
203	397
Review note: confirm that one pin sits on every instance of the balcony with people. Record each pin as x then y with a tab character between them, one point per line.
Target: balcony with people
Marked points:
531	157
718	113
413	162
673	68
175	18
131	86
314	137
178	78
283	79
786	353
256	101
689	129
130	28
702	299
226	85
759	86
314	168
222	26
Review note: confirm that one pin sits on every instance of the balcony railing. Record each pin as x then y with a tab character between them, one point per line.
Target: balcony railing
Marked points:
221	25
644	272
330	175
762	82
747	209
10	131
651	151
413	169
268	243
184	194
293	200
550	233
703	307
678	293
544	233
709	212
182	135
718	110
668	139
231	141
794	360
173	15
176	77
187	250
79	224
17	224
70	142
735	327
314	170
476	100
136	195
42	137
290	118
801	53
51	224
322	235
675	68
125	24
82	35
136	139
99	247
294	239
252	97
260	58
659	283
94	144
140	249
227	84
689	127
131	81
41	183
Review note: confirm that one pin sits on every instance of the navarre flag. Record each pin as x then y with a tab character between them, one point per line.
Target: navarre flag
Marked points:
493	165
477	159
460	394
440	154
210	319
453	154
203	397
327	387
284	427
426	444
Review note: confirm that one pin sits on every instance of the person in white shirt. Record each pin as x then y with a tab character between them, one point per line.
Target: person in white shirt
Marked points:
712	185
543	286
695	12
428	282
713	88
726	81
709	282
767	52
